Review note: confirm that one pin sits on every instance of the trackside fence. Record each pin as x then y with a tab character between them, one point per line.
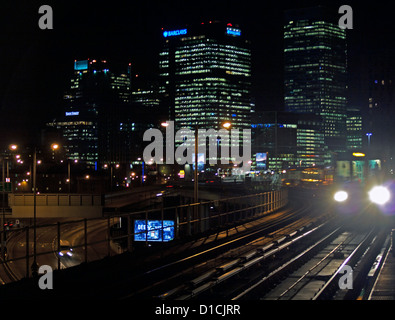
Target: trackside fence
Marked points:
69	243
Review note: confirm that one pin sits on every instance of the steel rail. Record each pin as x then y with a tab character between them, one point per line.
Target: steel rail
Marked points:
287	264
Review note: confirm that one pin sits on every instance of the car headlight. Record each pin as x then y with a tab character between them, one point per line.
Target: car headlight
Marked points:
340	196
379	195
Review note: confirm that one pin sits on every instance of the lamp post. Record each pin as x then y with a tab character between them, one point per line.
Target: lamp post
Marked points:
69	172
227	125
195	181
3	238
170	144
4	161
369	134
3	205
34	266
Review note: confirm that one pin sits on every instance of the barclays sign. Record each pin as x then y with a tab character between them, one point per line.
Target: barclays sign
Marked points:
174	33
233	32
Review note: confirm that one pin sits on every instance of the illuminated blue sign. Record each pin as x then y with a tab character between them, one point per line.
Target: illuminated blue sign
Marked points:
153	230
81	65
174	33
72	113
233	32
261	159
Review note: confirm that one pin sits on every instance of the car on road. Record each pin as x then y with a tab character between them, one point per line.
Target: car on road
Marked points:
65	249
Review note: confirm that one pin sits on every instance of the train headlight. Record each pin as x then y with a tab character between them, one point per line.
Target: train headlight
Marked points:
340	196
379	195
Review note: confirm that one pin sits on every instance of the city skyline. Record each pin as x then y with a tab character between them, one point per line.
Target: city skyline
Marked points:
197	150
37	63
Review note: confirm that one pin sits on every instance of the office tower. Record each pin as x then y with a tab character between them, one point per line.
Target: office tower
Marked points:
315	70
288	139
205	73
354	130
145	96
96	104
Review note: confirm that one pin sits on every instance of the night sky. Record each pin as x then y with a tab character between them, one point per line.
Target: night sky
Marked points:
36	64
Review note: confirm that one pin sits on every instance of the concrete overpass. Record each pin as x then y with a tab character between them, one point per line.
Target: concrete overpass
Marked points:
55	205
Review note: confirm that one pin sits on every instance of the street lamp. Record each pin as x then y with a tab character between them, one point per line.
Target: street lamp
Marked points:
68	180
195	181
34	267
4	160
227	125
369	134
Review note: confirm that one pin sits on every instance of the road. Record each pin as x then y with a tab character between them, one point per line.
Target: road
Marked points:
47	244
20	243
18	267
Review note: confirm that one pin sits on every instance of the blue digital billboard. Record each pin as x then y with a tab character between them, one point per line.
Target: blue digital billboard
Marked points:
155	231
261	159
200	161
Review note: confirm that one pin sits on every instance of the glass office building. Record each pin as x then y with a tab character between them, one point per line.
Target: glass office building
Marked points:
289	140
95	104
315	65
205	73
354	129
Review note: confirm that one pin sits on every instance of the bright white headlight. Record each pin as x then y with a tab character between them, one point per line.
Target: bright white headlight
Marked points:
340	196
379	195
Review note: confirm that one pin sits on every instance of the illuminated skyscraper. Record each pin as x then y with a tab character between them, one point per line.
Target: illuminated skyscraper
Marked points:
354	130
316	70
205	73
288	139
95	107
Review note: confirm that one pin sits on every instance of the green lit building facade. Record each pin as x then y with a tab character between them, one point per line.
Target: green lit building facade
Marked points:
205	73
315	75
354	130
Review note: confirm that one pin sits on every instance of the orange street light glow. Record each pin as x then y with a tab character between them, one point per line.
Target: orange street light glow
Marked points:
358	154
227	125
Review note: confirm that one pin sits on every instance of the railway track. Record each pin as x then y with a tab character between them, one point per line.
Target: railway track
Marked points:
312	280
298	263
334	268
209	284
266	232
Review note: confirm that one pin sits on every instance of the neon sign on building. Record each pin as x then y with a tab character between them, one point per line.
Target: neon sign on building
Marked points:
174	33
233	32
